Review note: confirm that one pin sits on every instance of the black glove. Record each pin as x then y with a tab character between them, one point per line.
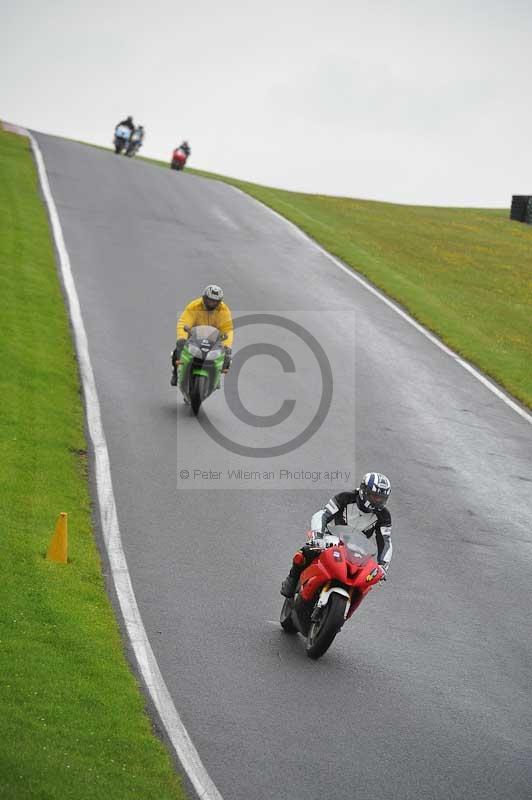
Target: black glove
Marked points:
176	355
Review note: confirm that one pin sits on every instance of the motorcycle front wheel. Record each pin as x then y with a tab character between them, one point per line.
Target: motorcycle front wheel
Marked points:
322	632
198	392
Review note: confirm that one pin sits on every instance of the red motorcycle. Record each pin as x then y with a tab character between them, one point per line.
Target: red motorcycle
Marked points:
179	159
329	591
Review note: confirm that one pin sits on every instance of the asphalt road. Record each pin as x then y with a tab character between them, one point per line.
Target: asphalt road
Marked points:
426	692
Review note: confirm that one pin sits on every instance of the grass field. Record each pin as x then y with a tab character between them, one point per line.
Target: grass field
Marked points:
466	274
72	722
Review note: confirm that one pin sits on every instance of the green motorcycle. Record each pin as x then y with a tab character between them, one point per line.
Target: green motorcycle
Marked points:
200	364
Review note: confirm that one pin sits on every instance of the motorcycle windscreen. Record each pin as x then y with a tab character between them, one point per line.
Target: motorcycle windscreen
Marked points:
355	541
205	332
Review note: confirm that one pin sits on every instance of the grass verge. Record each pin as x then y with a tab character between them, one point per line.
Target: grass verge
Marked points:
465	274
73	723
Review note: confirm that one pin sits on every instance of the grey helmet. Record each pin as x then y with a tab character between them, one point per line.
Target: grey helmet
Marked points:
212	296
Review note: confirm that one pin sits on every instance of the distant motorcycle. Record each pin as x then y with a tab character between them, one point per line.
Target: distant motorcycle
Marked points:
200	364
122	137
179	159
329	591
134	144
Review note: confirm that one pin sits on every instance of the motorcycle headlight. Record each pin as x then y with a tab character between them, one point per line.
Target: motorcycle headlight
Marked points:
194	350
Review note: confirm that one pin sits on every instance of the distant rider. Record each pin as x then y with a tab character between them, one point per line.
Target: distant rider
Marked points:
363	510
185	147
137	138
209	309
128	123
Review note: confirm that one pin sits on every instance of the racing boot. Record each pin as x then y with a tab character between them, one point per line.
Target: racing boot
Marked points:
289	585
173	361
175	357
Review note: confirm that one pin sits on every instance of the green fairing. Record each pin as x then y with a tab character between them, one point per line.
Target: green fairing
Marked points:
188	373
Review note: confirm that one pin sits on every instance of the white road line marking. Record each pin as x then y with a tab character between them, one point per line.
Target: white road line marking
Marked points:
427	334
148	666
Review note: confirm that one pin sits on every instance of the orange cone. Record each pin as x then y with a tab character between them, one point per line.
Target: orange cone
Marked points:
58	549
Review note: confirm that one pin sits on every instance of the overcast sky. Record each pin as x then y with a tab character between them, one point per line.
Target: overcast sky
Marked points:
412	101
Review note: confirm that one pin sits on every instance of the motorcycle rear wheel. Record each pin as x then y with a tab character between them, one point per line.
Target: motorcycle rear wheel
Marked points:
286	616
321	634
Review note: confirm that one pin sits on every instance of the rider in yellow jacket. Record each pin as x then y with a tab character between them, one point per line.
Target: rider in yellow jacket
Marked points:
209	309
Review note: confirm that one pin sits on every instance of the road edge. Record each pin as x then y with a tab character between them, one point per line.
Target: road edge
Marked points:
147	663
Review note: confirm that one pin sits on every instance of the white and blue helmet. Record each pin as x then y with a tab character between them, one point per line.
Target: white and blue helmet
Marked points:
374	491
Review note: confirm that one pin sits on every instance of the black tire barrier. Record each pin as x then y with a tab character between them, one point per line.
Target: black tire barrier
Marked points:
521	210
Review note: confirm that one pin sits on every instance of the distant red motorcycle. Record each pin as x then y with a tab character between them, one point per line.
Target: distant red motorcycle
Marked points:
330	590
179	159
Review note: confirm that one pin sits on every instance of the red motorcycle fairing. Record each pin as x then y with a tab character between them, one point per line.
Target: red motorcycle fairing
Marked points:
355	572
179	155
